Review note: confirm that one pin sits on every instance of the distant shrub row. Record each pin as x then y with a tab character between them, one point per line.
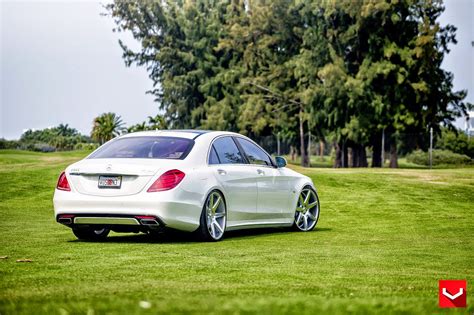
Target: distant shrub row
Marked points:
440	157
45	147
60	138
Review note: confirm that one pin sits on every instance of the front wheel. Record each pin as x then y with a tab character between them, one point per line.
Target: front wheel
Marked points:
307	210
213	218
91	234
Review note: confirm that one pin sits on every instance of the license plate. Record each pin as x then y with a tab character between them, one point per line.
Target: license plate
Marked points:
110	182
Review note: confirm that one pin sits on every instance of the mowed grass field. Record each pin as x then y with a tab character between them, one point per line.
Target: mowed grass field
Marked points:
384	239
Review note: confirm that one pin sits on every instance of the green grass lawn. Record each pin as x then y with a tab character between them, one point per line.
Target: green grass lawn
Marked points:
384	239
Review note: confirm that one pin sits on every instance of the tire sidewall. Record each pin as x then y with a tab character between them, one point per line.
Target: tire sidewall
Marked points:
295	226
203	231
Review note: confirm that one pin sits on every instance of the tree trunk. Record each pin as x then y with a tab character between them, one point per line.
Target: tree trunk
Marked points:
351	156
393	154
338	159
362	157
292	152
376	152
304	156
309	147
321	150
345	161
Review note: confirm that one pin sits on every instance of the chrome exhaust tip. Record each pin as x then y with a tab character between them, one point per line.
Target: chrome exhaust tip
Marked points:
65	221
149	222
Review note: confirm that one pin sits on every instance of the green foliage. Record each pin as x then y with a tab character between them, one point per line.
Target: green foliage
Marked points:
86	146
348	70
9	144
106	127
440	157
154	123
61	138
456	141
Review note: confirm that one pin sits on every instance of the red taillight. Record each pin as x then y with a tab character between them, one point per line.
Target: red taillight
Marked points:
63	184
167	181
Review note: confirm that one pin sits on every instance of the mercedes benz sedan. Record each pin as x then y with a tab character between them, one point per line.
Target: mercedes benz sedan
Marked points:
206	182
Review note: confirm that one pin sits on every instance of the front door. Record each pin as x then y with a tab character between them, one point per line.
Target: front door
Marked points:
272	199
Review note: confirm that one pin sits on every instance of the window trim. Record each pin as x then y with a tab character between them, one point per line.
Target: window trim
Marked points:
217	156
246	156
212	146
241	150
182	157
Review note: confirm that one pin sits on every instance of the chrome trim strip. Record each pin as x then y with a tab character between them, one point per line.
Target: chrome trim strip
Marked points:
106	220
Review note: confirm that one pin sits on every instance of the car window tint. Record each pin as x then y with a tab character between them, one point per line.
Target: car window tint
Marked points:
227	151
213	159
254	153
144	148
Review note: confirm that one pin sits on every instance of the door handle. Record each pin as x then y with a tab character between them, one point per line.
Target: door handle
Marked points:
221	172
260	172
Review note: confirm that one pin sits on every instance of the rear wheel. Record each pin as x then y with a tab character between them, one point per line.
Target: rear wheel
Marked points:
213	218
307	210
91	234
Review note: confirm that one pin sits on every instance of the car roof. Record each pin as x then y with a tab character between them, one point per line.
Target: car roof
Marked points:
179	133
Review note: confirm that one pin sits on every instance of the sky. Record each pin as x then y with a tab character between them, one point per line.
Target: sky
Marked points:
61	63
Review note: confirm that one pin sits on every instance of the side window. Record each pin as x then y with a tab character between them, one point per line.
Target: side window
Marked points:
254	153
213	158
227	151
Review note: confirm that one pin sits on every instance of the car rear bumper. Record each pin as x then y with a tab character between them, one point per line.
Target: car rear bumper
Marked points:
83	209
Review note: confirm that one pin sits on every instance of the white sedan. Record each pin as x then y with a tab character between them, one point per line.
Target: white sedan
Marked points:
207	182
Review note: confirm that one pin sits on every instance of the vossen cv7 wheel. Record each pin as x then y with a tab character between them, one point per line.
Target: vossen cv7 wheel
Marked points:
307	210
213	218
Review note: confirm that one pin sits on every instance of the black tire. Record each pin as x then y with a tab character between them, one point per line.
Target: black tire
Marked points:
315	196
91	234
203	232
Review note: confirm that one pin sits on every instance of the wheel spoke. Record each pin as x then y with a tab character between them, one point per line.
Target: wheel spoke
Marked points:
213	230
218	226
299	209
298	219
311	216
216	204
311	205
301	200
305	221
218	215
308	195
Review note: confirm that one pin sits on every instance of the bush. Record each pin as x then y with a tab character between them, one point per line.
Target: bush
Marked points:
440	157
8	144
456	141
37	147
86	146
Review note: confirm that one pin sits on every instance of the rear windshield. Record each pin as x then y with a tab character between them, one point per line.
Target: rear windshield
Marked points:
145	148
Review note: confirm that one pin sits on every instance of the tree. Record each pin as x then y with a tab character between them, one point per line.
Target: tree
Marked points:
154	123
106	127
350	71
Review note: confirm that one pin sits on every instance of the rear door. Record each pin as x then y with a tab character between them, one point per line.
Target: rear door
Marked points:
231	170
273	189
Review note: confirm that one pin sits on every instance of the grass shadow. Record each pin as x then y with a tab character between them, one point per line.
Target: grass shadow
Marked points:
177	237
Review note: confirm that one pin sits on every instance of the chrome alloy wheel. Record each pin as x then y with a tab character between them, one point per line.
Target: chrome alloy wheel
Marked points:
307	210
215	215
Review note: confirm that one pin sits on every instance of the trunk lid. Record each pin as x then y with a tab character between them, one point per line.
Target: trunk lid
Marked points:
135	175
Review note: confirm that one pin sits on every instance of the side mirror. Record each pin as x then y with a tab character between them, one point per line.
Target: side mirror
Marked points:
280	161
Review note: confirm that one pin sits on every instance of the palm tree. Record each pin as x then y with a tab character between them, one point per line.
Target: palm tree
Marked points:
65	131
137	127
157	123
106	127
